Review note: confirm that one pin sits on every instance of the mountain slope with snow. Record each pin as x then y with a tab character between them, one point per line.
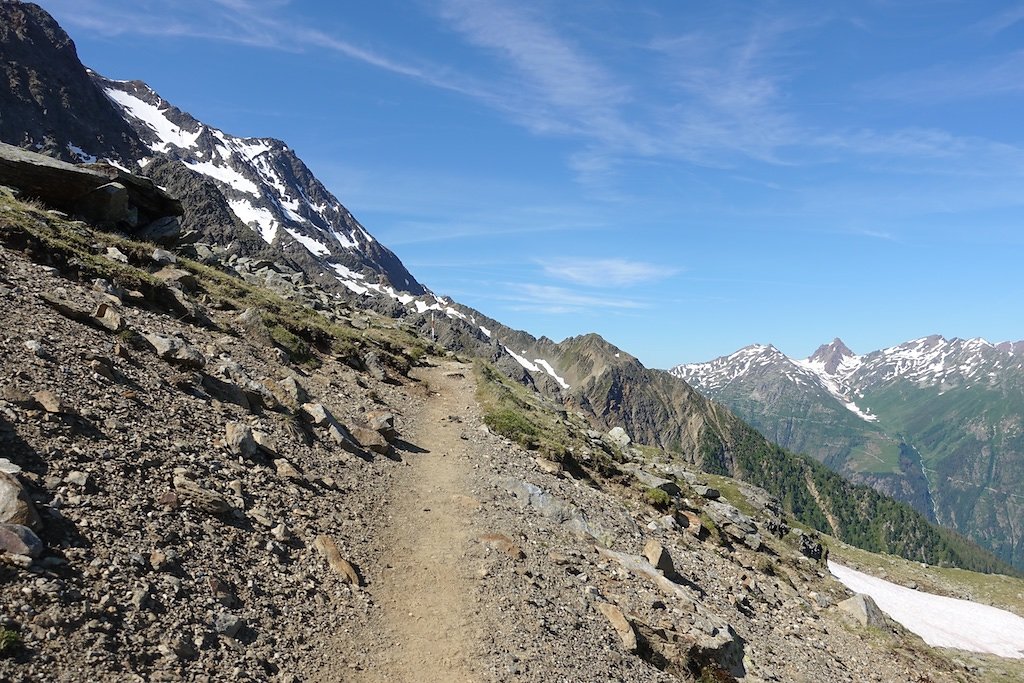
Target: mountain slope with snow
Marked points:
265	184
936	422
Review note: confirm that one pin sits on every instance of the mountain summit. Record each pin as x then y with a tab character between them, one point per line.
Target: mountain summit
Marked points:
831	356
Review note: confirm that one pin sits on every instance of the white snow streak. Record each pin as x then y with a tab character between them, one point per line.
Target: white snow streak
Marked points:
167	132
316	248
265	223
941	621
226	175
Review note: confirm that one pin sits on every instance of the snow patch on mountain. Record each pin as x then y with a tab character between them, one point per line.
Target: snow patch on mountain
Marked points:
262	219
226	175
837	381
941	621
168	133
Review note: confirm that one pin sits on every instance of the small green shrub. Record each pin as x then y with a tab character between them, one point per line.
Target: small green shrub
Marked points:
9	641
658	498
713	532
514	425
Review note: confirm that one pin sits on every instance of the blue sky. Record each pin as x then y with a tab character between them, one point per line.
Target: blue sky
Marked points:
684	178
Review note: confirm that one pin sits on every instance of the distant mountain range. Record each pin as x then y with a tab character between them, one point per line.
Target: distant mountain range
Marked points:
254	198
938	423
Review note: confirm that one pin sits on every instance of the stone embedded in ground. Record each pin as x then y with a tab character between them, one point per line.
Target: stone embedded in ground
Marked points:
621	624
204	499
176	351
51	403
326	547
240	440
370	439
863	608
289	392
228	624
107	317
706	492
286	470
504	544
659	556
17	539
15	505
619	437
383	423
549	466
163	257
318	414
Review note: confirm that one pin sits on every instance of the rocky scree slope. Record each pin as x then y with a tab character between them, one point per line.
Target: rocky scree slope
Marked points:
188	502
933	422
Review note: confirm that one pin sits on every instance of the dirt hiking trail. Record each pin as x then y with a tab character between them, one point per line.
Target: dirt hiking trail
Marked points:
424	593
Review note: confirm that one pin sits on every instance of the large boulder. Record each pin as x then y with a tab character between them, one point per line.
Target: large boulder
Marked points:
864	609
100	193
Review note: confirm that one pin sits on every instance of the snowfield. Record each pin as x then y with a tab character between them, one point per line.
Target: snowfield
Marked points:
941	621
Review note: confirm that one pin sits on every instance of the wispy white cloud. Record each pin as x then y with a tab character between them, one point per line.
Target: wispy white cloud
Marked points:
607	272
988	77
255	23
551	299
1001	21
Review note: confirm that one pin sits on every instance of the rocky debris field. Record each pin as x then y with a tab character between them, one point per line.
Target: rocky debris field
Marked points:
183	500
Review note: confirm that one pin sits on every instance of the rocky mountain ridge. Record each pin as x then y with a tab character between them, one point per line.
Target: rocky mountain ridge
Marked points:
933	421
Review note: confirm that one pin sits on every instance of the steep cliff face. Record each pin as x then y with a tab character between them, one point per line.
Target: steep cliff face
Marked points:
50	104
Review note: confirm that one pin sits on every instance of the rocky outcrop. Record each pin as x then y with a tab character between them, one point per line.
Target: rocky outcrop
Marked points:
100	193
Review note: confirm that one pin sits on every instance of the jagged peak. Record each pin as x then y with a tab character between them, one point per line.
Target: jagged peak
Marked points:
831	355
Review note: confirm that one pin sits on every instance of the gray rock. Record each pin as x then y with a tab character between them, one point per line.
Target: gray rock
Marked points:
228	624
51	403
9	467
163	257
115	254
658	556
108	318
176	351
36	348
730	520
383	423
291	393
863	608
17	539
240	440
706	492
204	499
77	478
164	230
550	507
15	505
370	439
318	414
653	481
619	437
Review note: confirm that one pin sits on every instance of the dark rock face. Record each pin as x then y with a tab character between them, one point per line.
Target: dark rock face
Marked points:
206	212
49	102
253	194
101	193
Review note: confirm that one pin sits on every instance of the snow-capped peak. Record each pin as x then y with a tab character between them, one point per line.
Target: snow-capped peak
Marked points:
831	356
